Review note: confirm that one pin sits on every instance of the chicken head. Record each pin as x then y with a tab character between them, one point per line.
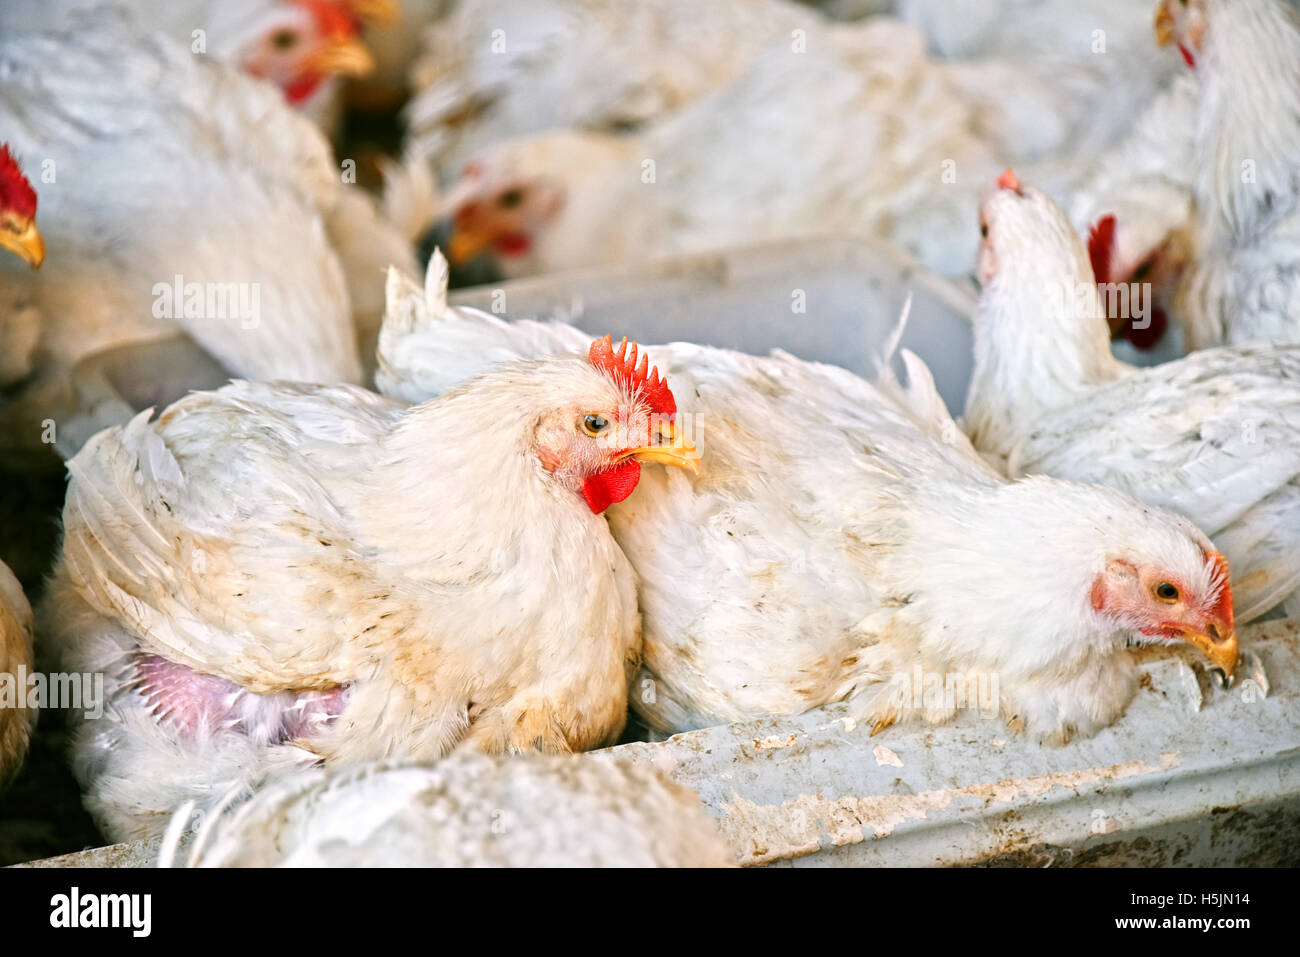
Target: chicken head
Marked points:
18	232
307	42
598	449
1167	606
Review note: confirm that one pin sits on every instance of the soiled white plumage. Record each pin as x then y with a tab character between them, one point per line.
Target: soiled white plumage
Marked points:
1244	285
839	534
151	163
1212	436
466	811
16	719
321	552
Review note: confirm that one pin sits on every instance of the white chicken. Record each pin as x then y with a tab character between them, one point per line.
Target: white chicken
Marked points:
498	69
241	572
1212	436
1244	283
1137	207
1051	77
840	535
16	718
179	195
465	811
302	46
857	134
20	319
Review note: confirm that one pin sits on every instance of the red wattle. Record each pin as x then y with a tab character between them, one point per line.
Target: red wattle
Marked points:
605	488
513	244
1147	338
1187	56
302	88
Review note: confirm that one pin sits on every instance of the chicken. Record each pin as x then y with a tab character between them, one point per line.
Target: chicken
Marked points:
16	718
1244	283
1213	436
178	195
274	572
1060	83
465	811
1137	207
19	317
759	160
1051	77
498	69
302	46
840	535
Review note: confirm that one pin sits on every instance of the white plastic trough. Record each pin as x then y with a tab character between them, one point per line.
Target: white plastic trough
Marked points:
1193	774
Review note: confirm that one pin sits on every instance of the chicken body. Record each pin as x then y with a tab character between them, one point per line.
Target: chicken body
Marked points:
495	70
838	536
302	46
1212	436
16	719
156	169
1244	284
467	811
274	573
766	157
1046	78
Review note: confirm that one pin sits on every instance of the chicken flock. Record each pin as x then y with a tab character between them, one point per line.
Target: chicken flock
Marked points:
414	557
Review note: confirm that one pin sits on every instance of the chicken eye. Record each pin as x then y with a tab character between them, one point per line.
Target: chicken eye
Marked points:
511	198
283	39
1166	592
984	230
593	425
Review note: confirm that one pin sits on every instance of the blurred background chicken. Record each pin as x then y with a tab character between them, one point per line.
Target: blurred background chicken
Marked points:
840	534
494	70
1214	436
466	811
156	169
763	158
1244	281
772	144
16	719
239	572
304	47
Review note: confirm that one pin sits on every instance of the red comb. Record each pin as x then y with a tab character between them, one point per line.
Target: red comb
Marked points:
332	18
1101	246
16	193
1008	180
643	381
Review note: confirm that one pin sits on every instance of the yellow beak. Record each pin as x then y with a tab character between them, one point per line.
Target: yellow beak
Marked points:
671	449
465	244
1219	645
28	244
1164	26
343	57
